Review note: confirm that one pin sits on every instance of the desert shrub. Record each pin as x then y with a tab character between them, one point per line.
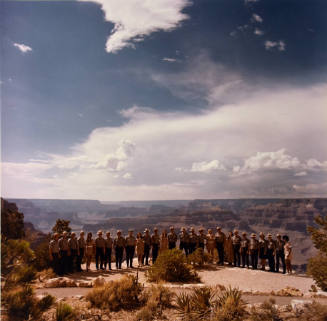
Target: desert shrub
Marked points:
45	274
171	266
64	312
157	298
313	312
22	274
42	259
317	267
117	295
21	303
266	312
198	258
229	306
46	302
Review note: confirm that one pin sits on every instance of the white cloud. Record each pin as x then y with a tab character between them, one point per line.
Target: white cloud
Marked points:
135	19
279	45
313	164
21	47
203	167
127	176
304	173
250	1
258	32
167	59
256	18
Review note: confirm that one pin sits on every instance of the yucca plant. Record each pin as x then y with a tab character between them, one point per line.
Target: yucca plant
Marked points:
202	301
183	306
64	312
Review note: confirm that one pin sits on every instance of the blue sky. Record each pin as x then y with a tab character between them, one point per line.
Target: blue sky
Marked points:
163	99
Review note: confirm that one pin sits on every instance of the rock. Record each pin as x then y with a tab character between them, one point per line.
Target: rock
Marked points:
105	318
79	296
99	281
61	282
85	284
289	291
298	305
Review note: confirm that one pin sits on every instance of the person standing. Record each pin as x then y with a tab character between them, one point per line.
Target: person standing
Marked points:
271	251
220	241
211	244
155	242
74	252
108	251
288	254
184	241
89	250
164	241
262	250
193	241
253	250
119	245
130	248
64	252
54	254
236	239
245	250
139	248
280	254
172	238
229	248
147	246
100	247
81	247
202	238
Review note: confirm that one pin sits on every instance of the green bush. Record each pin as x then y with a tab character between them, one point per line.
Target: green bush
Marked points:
22	274
42	259
21	303
266	312
198	258
317	267
64	312
313	312
117	295
46	302
171	266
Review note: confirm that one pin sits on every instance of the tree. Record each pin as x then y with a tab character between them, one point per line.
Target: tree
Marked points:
61	226
318	265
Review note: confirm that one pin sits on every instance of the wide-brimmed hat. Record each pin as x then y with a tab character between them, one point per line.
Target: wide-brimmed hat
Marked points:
253	235
171	228
269	235
146	230
99	232
244	233
201	229
130	230
218	228
118	231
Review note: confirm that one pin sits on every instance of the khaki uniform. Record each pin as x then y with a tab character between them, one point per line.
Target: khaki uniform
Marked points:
220	242
119	244
100	246
193	242
54	250
155	242
130	250
108	252
147	246
184	242
172	239
253	250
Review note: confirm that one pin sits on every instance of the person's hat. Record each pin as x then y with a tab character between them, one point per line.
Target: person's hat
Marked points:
201	229
146	230
107	232
99	232
269	235
253	235
235	231
278	235
218	228
81	232
130	230
192	229
73	233
155	229
118	231
261	233
172	228
182	229
64	233
55	234
244	233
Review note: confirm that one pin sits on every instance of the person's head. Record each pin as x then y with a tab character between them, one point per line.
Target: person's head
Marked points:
56	236
201	230
286	238
230	233
183	229
253	236
218	229
81	234
139	235
99	233
130	232
269	236
279	237
192	230
64	234
118	233
172	229
73	235
261	235
89	236
146	231
244	234
235	232
164	233
155	230
210	231
108	234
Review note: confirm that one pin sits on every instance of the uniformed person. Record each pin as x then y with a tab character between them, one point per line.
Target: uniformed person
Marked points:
262	250
236	240
64	252
253	250
184	241
211	244
164	241
172	238
245	250
155	242
81	246
108	251
147	246
54	253
74	252
220	241
202	238
119	245
89	250
193	241
130	242
100	247
280	254
271	249
229	251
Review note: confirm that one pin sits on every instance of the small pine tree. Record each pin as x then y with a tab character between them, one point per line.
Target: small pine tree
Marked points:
61	226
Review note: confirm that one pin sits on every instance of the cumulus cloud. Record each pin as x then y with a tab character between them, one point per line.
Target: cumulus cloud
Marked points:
256	18
258	32
22	48
135	19
279	45
203	167
167	59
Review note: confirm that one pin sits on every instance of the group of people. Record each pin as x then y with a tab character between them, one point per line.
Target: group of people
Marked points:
67	252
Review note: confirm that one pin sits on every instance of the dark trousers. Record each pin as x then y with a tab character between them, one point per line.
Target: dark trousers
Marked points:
99	257
119	251
155	251
56	263
171	245
271	260
220	250
191	247
237	255
245	256
201	246
130	255
254	259
146	254
80	259
280	255
107	258
184	246
64	262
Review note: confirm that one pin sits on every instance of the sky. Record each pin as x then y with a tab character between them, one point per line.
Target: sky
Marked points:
167	99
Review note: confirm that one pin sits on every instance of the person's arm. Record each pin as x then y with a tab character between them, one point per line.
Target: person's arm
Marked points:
50	253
